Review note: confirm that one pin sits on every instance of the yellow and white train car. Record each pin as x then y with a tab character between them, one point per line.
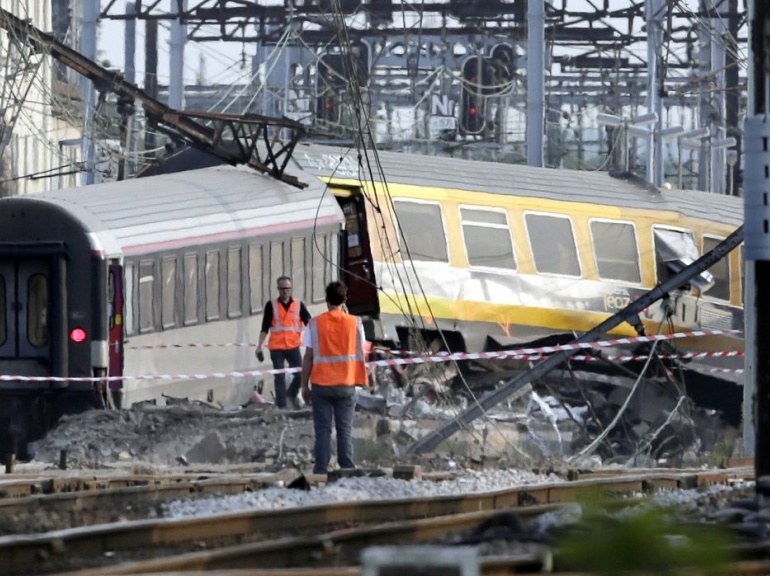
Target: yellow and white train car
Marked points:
513	253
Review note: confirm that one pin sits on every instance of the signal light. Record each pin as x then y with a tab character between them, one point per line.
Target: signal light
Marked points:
472	114
78	335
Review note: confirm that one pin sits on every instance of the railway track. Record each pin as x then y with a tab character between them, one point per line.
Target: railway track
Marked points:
333	534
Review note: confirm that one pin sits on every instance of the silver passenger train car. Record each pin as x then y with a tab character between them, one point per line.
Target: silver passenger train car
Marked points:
100	281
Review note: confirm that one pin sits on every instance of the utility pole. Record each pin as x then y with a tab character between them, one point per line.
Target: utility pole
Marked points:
150	77
757	245
88	49
732	90
126	105
176	55
655	15
535	81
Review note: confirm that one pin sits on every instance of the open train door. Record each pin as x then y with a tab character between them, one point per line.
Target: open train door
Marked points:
356	256
115	303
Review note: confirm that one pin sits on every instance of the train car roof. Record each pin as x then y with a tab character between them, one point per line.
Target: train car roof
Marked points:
212	204
514	179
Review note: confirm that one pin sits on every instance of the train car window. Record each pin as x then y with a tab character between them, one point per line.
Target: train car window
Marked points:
276	261
333	256
720	270
111	300
234	291
255	278
37	310
212	285
298	267
128	315
616	251
3	308
674	250
422	235
320	257
487	238
553	244
168	292
146	288
190	289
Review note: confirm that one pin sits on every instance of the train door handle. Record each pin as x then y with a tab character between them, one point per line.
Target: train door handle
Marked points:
367	272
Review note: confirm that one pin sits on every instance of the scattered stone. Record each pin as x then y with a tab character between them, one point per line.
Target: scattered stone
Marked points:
209	450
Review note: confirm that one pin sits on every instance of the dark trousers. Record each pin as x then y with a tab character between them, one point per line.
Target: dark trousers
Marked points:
280	358
338	404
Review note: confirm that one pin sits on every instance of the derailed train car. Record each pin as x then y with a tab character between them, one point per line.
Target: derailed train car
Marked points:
100	281
120	279
495	254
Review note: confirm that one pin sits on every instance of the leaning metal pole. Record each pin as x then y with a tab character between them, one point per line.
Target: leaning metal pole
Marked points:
431	440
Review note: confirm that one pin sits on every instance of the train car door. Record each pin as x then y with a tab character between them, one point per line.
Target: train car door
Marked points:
357	258
24	309
115	311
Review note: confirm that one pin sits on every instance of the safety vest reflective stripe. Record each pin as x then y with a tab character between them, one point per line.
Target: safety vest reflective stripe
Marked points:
318	359
286	328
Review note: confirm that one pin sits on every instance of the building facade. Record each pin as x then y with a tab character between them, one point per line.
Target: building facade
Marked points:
40	130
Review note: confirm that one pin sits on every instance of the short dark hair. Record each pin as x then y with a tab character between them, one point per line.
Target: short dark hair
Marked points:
336	293
280	278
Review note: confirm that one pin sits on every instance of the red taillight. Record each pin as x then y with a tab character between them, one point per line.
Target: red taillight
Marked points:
78	335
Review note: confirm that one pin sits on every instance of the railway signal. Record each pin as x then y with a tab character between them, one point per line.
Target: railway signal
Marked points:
473	106
335	71
330	85
502	69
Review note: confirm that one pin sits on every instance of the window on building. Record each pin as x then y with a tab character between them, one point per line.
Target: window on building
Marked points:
37	310
212	285
616	251
298	272
146	287
256	278
234	291
421	228
720	270
190	289
168	292
553	244
487	238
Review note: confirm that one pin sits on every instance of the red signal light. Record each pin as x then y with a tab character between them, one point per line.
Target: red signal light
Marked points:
78	335
473	111
328	105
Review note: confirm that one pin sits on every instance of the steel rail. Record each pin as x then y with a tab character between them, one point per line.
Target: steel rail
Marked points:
18	553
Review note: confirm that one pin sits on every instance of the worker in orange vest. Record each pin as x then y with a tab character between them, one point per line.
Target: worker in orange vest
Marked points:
284	318
333	365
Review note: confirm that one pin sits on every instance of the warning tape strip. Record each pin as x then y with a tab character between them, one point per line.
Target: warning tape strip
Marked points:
520	353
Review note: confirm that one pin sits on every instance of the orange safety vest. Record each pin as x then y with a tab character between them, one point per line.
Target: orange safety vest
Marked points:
286	328
338	357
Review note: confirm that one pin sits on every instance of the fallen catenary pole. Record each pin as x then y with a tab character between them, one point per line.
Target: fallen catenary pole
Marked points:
476	409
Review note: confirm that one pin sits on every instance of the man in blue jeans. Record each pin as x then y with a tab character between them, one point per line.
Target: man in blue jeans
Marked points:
334	365
284	318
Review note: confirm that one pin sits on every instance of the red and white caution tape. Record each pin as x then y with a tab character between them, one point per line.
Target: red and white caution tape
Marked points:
520	353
